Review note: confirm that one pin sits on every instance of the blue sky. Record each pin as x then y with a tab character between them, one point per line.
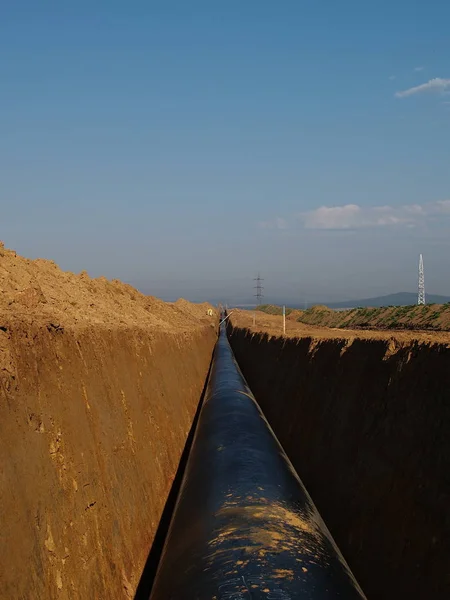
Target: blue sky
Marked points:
185	146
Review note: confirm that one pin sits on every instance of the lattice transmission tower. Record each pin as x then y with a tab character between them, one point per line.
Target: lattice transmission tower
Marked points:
259	288
421	294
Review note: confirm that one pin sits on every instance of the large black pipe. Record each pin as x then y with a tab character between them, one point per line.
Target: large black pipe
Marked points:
244	526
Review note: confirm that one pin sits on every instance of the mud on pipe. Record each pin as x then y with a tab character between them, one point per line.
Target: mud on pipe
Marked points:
244	526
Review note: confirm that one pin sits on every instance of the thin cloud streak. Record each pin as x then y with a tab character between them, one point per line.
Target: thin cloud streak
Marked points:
353	216
277	223
433	85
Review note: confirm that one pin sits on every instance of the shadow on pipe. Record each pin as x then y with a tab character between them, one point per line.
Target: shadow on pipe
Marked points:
145	585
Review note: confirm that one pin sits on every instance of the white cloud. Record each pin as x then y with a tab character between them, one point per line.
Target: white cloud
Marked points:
443	207
352	216
419	68
434	85
281	223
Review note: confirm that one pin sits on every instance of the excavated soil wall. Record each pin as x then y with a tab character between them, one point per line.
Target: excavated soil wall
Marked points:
93	423
99	385
366	424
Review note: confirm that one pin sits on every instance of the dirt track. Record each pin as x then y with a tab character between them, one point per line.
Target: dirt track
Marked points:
98	388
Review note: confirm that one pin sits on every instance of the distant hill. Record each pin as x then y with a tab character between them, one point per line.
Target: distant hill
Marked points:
399	299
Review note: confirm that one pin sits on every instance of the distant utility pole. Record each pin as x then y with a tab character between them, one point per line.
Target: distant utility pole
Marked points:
421	295
259	288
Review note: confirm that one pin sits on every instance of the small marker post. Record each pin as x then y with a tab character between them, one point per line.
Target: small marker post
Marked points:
223	320
284	320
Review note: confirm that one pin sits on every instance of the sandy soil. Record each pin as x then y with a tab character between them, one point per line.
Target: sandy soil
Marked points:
39	290
98	388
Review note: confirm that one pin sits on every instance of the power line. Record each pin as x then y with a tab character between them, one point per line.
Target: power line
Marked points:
259	288
421	294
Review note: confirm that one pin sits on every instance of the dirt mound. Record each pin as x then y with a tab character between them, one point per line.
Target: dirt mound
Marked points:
199	311
319	308
294	315
39	288
429	317
432	317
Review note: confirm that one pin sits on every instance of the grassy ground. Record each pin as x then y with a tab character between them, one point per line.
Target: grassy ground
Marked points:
272	309
434	317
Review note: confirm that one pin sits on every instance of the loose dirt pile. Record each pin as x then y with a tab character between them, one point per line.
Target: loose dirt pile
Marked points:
98	388
39	289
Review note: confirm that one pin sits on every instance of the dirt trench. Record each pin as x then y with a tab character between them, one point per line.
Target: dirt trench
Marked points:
93	422
366	426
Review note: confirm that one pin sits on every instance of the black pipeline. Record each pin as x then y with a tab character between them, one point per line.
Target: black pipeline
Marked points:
244	526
